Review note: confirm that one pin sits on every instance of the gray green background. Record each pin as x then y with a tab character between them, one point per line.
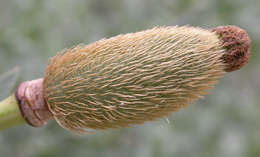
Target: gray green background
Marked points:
225	123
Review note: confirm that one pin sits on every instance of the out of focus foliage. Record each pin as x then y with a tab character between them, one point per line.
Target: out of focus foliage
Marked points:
225	123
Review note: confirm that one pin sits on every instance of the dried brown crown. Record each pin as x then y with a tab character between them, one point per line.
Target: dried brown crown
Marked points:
237	43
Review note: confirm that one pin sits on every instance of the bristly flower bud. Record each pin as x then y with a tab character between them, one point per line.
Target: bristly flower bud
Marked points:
132	78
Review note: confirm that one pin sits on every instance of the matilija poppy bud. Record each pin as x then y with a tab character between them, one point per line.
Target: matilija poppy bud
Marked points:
132	78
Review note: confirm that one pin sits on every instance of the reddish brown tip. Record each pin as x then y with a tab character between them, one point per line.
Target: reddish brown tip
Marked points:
237	43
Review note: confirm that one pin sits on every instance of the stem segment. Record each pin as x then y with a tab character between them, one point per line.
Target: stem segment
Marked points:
31	102
9	113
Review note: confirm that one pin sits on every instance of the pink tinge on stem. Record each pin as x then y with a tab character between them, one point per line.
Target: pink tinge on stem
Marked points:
237	43
31	102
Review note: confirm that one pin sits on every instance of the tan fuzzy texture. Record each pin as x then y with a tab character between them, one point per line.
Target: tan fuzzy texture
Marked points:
132	78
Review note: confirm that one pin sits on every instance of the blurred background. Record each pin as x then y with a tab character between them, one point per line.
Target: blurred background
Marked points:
225	123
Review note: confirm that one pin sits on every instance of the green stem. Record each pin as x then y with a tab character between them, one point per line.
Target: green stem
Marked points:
9	113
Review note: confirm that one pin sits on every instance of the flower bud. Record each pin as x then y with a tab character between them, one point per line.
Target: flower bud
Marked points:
133	78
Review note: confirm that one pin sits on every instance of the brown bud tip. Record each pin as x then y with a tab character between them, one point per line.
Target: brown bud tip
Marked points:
237	43
30	99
